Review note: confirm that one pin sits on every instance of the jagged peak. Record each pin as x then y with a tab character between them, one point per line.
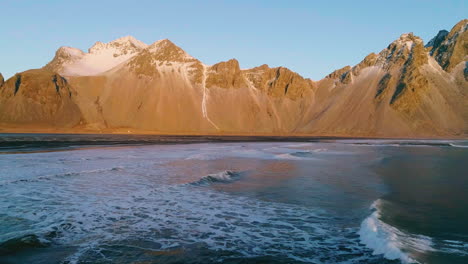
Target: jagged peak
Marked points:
66	51
2	80
407	40
258	69
125	43
263	67
162	43
460	27
64	55
339	73
166	50
132	40
397	53
451	51
232	63
439	38
161	52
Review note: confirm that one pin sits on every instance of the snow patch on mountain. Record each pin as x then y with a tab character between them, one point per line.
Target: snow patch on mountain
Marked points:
100	58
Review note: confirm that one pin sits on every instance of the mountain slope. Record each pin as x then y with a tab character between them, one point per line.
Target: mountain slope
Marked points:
401	91
406	90
38	98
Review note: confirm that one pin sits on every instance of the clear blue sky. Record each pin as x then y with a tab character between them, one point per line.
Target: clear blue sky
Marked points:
310	37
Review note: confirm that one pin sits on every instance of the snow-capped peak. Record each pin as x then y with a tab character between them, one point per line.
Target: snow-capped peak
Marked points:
131	40
407	40
160	44
125	44
166	50
100	58
398	52
70	52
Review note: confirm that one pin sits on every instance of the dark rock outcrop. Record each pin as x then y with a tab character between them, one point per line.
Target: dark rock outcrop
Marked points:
436	41
454	48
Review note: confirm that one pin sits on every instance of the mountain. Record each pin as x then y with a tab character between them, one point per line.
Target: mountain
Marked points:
38	98
449	49
406	90
101	57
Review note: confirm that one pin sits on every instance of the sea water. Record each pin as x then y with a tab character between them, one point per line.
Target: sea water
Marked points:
149	199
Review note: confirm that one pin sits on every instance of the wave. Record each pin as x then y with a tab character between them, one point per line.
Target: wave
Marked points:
17	244
300	155
226	176
458	145
455	247
203	156
320	150
409	143
388	240
60	175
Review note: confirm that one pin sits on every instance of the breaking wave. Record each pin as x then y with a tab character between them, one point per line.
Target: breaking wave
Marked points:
226	176
300	155
458	145
14	245
388	240
409	143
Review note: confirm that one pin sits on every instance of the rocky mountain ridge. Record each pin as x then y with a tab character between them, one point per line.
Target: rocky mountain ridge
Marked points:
406	90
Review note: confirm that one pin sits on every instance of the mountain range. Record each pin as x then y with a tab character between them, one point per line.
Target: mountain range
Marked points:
409	89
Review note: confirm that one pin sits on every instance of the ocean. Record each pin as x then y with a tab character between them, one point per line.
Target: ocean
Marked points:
169	199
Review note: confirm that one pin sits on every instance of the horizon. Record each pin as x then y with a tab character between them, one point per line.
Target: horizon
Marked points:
202	39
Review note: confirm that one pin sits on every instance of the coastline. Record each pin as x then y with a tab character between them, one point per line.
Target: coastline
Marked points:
277	136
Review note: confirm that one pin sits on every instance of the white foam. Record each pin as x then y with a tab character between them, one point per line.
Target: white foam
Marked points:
458	145
388	240
220	177
140	200
203	156
300	155
102	206
288	156
319	150
454	247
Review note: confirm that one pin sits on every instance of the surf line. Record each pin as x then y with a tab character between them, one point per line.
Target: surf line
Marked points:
204	110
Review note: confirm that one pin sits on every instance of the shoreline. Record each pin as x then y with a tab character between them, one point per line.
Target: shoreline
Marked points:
260	136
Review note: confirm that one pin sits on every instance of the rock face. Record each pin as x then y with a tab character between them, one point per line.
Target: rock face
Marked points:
38	98
451	49
406	90
226	74
280	82
436	41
